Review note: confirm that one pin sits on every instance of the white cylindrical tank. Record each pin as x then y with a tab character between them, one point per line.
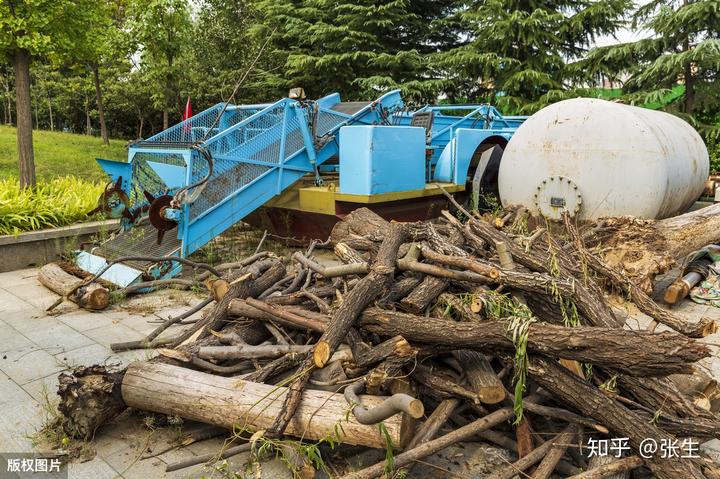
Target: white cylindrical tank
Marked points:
597	158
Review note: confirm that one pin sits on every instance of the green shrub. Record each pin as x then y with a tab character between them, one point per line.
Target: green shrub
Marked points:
713	147
57	202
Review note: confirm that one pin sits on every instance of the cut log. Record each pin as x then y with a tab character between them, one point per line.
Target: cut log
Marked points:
621	421
641	299
430	447
347	254
433	381
420	298
94	296
481	376
89	398
365	291
236	404
396	346
246	351
646	248
612	468
640	353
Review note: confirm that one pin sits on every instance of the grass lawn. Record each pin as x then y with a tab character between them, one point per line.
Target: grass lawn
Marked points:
59	154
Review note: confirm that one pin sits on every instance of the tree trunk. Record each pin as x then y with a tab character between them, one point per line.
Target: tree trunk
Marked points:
93	296
35	110
634	352
100	106
26	155
621	421
234	403
88	124
52	122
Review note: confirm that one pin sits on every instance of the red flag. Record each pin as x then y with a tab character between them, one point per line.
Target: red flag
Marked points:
188	110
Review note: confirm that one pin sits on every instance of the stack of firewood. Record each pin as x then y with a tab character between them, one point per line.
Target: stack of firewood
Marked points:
426	334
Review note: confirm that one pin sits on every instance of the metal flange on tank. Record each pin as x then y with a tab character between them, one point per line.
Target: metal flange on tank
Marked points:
555	195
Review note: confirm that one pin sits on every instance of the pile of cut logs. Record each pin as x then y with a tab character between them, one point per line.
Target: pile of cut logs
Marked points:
423	335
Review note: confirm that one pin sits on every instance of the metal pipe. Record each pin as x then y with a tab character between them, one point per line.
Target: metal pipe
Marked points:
391	406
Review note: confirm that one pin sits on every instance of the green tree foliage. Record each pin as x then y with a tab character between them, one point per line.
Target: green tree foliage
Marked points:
221	51
162	30
353	47
682	45
38	28
521	51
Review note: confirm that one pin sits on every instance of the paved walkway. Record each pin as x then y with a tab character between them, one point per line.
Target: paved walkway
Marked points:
35	347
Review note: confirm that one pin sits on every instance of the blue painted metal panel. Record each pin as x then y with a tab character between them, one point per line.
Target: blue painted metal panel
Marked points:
172	175
454	161
116	169
118	273
381	159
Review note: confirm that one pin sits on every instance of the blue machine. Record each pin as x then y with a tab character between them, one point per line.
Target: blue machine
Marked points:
381	159
186	185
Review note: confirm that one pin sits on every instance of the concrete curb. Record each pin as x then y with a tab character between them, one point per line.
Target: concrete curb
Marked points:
36	248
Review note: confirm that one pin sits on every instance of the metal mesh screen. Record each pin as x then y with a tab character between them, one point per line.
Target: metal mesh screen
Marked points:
196	128
327	120
237	143
139	241
145	178
228	177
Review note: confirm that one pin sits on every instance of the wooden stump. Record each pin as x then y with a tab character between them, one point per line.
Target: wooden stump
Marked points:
94	296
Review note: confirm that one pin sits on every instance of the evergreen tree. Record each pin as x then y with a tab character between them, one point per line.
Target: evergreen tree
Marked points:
520	52
357	48
683	46
162	29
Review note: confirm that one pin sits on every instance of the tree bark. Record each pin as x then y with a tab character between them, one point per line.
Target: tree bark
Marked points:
365	291
550	462
100	106
89	398
621	421
233	403
481	376
23	108
634	352
94	296
431	447
420	297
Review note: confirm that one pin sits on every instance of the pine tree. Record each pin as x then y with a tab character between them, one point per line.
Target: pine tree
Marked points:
520	52
357	48
683	47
